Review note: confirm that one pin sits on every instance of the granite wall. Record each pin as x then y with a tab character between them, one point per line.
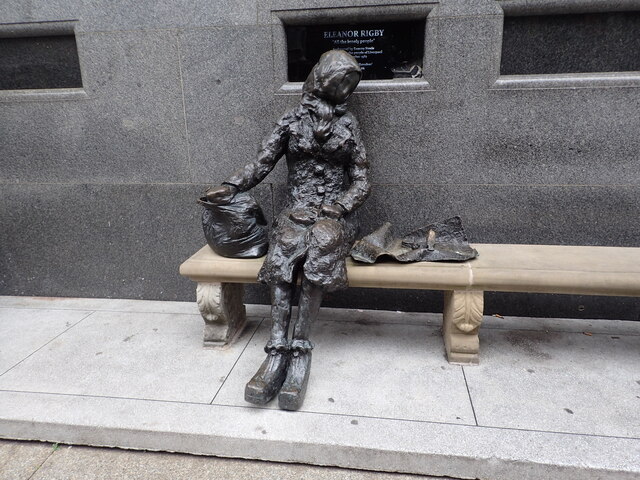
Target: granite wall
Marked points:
99	184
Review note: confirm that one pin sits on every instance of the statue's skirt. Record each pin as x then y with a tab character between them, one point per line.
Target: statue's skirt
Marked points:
317	247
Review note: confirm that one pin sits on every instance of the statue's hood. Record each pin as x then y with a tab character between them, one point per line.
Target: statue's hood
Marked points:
334	77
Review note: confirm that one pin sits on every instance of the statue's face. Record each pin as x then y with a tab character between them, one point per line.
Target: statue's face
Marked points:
338	88
334	77
346	87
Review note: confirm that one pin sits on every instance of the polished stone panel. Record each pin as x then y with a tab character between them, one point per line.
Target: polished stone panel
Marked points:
318	4
500	303
228	100
407	136
468	8
180	95
568	306
128	240
513	213
581	136
394	141
555	7
311	11
107	15
14	11
507	213
386	299
129	129
466	47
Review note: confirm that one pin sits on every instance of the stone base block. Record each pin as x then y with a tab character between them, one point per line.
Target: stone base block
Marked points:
222	308
461	321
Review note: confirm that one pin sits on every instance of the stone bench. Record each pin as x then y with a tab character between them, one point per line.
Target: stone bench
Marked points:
579	270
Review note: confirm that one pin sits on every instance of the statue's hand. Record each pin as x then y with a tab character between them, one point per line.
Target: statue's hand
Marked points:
222	195
332	211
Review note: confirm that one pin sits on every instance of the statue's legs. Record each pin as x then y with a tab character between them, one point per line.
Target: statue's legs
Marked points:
292	392
269	378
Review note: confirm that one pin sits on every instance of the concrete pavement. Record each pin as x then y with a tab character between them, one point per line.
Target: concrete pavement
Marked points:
551	398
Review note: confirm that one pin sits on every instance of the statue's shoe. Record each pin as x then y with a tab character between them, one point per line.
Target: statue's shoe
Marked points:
268	379
295	386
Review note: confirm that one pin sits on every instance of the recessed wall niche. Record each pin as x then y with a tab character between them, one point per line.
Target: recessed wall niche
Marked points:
571	43
45	57
384	49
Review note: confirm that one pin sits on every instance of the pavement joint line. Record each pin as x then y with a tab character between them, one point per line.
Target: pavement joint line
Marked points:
348	415
109	397
236	362
411	420
310	412
47	343
466	384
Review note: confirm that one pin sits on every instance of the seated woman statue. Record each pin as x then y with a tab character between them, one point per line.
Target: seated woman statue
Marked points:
311	237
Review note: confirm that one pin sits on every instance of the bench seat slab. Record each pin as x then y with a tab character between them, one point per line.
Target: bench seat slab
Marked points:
579	270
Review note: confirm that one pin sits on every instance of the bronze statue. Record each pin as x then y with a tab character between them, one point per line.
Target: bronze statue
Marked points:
311	237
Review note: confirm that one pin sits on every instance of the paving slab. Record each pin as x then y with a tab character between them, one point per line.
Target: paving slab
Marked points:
332	440
30	329
558	381
370	369
20	460
382	396
130	355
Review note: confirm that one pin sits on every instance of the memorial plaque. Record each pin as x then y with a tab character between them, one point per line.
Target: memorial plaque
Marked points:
384	49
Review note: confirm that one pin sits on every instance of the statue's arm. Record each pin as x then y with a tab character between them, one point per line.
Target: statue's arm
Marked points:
273	147
358	174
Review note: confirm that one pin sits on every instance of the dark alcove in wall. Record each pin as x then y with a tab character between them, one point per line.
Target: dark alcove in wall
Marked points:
572	43
41	62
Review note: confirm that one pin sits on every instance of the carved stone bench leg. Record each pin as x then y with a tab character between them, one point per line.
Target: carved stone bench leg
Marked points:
222	308
462	319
